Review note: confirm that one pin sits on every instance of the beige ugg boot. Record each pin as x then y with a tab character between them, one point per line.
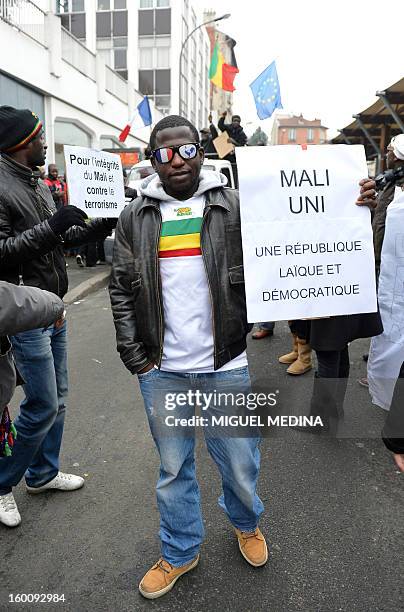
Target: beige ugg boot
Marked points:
303	362
290	357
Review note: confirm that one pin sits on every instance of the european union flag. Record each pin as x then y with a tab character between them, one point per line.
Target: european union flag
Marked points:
266	92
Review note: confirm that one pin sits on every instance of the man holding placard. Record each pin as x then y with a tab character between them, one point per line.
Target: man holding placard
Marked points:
178	301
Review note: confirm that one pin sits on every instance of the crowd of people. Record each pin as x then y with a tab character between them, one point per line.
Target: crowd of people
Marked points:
178	306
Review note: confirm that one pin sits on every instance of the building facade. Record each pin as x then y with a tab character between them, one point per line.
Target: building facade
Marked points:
141	40
292	129
80	99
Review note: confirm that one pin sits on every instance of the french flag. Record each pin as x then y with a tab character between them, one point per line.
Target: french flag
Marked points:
142	114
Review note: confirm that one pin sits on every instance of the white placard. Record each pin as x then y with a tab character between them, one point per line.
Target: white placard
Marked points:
95	181
308	248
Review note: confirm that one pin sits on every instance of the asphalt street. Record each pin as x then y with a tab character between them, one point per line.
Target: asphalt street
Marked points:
334	507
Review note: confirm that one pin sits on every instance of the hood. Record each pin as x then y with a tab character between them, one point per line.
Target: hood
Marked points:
209	179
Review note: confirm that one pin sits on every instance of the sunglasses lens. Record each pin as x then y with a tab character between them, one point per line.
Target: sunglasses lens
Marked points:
188	151
164	155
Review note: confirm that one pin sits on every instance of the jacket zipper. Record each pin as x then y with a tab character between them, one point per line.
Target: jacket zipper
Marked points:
210	292
158	290
57	275
20	276
45	218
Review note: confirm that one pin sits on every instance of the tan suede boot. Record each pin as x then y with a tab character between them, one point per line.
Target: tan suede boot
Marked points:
290	357
303	362
162	576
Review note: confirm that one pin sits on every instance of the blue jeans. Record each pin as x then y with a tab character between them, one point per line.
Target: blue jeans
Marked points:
41	358
238	460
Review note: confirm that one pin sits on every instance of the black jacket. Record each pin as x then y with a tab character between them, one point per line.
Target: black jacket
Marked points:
30	252
135	287
334	333
237	133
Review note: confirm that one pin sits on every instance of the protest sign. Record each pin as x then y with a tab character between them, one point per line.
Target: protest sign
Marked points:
95	181
387	350
222	145
308	249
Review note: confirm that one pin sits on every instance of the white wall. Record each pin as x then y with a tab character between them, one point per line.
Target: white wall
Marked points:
72	94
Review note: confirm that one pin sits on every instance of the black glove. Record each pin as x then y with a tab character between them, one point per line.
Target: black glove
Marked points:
110	223
130	193
65	218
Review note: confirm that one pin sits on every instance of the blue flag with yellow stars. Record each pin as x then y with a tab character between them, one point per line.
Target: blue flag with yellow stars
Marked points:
266	92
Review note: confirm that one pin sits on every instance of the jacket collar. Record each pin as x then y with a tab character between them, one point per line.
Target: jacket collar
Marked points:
214	197
22	172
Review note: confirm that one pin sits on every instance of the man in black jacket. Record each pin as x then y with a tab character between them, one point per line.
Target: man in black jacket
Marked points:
178	301
234	130
32	237
237	137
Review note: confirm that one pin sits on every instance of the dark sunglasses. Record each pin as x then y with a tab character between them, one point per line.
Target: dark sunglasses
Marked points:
186	151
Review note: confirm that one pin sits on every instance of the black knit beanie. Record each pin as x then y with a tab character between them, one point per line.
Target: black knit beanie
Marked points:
18	126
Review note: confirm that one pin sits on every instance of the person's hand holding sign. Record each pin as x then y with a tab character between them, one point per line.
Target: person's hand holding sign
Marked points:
368	193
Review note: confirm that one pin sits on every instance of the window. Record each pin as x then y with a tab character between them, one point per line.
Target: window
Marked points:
157	22
146	58
153	3
154	52
67	133
109	5
120	23
75	23
154	82
112	38
200	113
310	134
104	25
112	23
184	100
69	6
193	104
200	72
120	59
72	16
163	57
162	81
110	142
163	21
146	23
292	134
78	25
146	82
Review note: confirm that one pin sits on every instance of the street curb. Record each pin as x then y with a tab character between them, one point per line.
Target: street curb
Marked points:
88	286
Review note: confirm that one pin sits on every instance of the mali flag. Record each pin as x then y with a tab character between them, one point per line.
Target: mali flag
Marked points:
221	73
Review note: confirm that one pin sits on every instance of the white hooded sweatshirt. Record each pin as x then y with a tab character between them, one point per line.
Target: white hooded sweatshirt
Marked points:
188	335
